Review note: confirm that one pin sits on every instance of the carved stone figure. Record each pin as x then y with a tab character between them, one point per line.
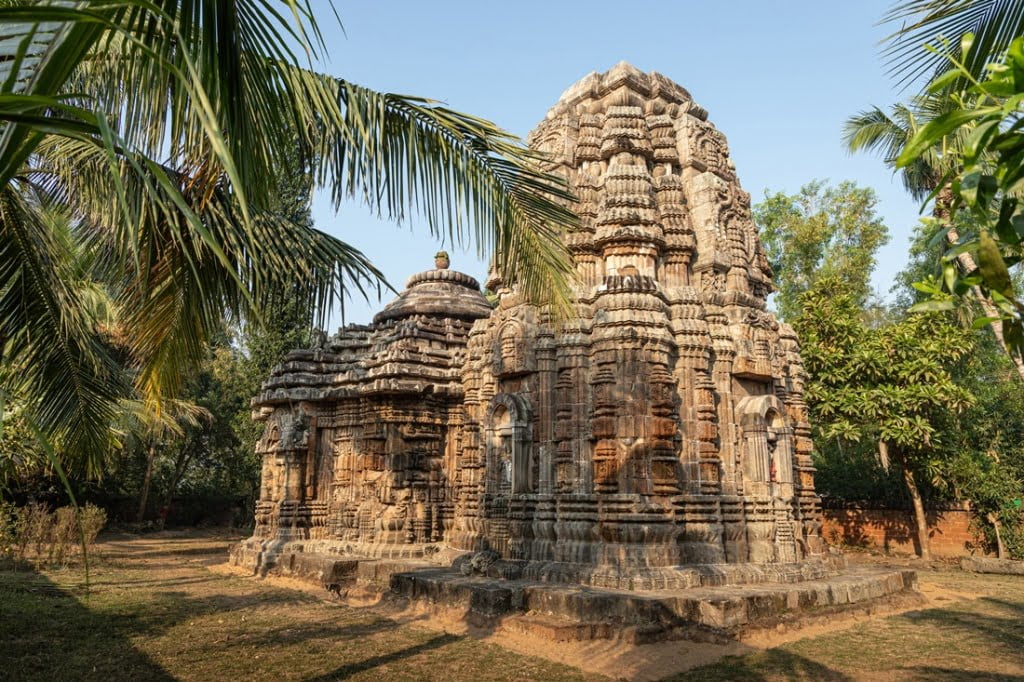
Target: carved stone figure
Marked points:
663	427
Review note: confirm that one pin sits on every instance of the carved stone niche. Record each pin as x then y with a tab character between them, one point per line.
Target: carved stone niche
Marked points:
286	445
767	447
509	441
703	147
512	355
755	347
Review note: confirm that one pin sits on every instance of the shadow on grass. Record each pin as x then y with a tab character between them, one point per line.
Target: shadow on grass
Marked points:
1017	607
179	553
951	675
351	669
288	634
996	621
768	665
47	634
155	613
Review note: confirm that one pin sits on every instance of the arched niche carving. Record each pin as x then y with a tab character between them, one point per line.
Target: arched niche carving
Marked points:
512	356
271	437
509	446
267	447
286	449
767	445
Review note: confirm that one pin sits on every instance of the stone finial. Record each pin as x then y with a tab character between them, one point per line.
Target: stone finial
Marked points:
441	260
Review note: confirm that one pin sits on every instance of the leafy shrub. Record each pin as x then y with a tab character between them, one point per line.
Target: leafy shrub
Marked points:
53	538
8	530
93	519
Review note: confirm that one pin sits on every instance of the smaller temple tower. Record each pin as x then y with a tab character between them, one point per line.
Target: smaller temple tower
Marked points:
362	429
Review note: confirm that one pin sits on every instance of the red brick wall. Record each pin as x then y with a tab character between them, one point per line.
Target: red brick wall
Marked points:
893	530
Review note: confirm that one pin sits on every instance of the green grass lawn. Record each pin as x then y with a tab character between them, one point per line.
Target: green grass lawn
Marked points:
155	611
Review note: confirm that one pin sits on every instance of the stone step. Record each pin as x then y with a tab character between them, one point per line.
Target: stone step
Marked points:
566	612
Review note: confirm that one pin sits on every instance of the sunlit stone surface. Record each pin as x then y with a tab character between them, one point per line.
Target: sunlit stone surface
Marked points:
658	439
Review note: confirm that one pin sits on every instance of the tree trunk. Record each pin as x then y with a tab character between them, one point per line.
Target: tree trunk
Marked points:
146	480
1000	547
966	264
179	472
920	520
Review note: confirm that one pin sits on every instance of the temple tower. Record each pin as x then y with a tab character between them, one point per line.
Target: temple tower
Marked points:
664	424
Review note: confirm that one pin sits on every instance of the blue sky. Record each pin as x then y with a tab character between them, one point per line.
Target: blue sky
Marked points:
778	78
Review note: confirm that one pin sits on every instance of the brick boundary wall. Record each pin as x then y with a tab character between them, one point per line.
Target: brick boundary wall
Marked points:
893	530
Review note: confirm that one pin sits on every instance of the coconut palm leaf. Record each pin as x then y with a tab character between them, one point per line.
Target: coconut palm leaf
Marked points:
994	24
155	124
888	135
140	423
178	298
40	46
54	364
467	177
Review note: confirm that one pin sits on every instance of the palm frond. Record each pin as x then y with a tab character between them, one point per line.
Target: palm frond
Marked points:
54	361
141	422
994	24
888	134
205	83
173	288
468	178
874	130
42	45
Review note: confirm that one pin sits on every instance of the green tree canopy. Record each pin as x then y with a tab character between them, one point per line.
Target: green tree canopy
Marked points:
893	384
823	231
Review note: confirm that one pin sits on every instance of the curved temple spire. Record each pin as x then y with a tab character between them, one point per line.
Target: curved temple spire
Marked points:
660	430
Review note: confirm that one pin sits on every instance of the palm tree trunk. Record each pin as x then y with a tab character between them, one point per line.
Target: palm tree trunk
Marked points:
920	520
966	264
146	481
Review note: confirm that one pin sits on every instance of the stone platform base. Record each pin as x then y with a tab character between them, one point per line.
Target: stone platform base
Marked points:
335	564
665	577
703	614
713	612
979	564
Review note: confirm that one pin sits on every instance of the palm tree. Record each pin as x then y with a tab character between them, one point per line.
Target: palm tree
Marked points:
150	430
154	125
889	134
993	23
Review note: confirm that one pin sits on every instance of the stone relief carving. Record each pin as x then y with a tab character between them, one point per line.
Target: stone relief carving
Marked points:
662	425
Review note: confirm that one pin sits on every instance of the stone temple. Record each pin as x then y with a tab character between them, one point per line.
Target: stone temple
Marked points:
657	440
